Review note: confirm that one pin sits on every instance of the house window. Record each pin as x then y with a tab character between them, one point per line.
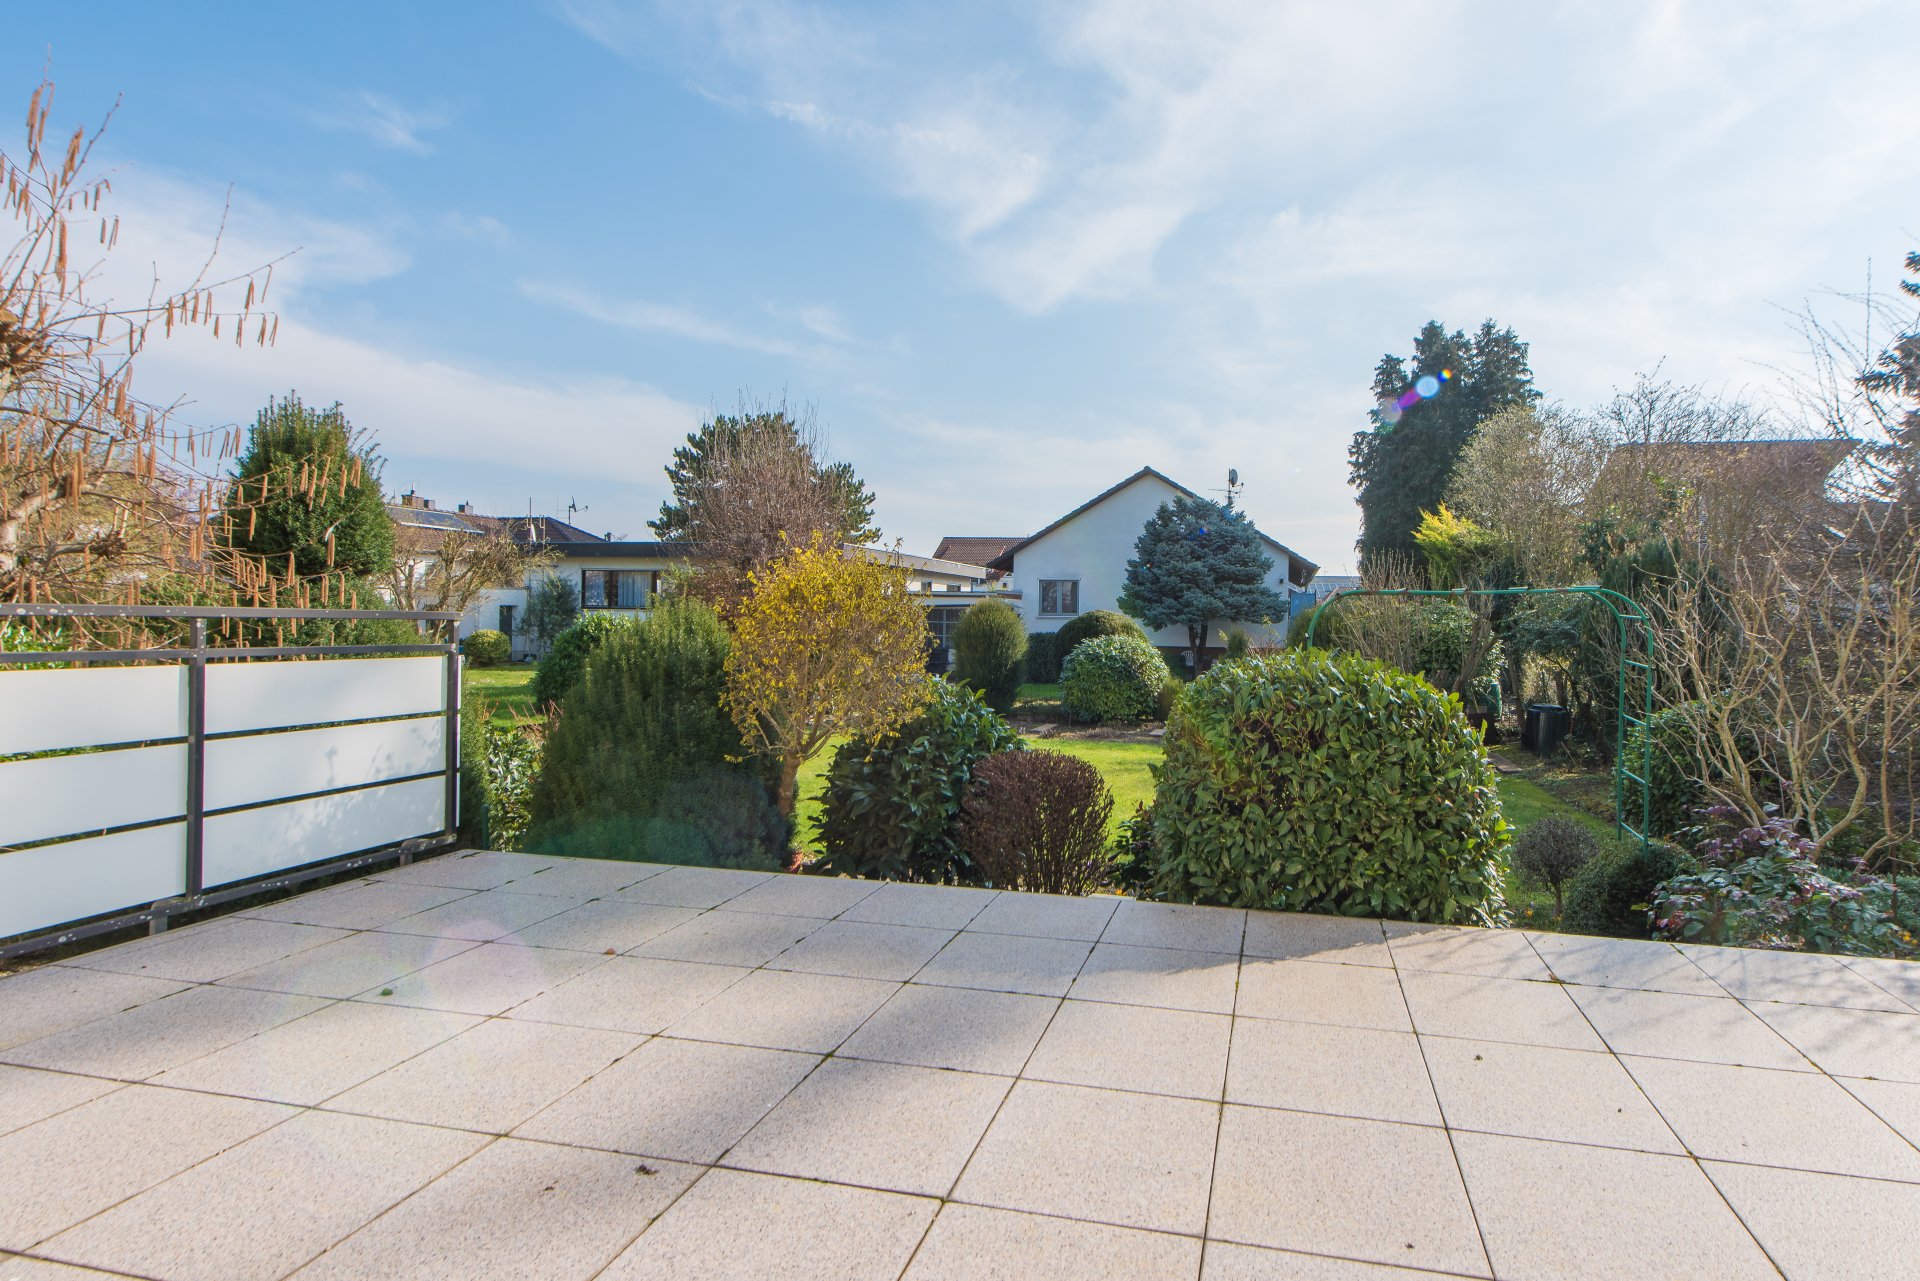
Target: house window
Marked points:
506	619
614	588
1059	596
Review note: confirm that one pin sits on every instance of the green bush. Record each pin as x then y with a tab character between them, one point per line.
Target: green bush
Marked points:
988	646
1113	678
1043	657
1308	781
487	648
1238	643
637	765
1134	857
498	766
891	808
1095	622
1613	891
566	660
1037	821
1438	633
1551	851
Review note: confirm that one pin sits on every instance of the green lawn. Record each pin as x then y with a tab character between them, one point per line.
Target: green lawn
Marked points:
506	689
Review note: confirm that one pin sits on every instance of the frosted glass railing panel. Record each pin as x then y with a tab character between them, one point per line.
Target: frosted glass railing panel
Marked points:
267	695
48	711
64	795
270	839
241	771
77	879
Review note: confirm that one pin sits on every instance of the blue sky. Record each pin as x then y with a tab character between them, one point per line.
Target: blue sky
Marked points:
1009	252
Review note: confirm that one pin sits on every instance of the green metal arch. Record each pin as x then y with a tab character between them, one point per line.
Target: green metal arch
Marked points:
1626	612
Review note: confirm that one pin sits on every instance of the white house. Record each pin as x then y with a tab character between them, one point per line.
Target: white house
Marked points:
1079	563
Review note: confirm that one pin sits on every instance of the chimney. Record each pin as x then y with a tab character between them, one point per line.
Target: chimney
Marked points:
409	499
465	509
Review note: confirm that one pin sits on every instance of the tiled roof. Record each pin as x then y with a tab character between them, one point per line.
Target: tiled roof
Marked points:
972	549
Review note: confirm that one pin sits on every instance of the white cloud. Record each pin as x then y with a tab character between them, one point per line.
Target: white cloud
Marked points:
375	116
483	228
653	317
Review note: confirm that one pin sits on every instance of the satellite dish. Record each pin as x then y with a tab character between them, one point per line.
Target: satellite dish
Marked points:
1233	475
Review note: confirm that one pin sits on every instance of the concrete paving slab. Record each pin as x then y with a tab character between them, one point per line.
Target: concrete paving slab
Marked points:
1202	929
29	1094
1341	1071
1799	978
1047	916
681	1100
357	905
1304	936
52	999
1849	1042
970	1241
1007	963
1134	1047
150	1038
349	966
937	907
1629	963
468	870
631	994
1171	978
1490	1009
696	887
482	917
209	950
722	937
815	896
488	979
602	925
1315	992
776	1010
862	950
1537	1092
1671	1026
952	1027
1499	954
1826	1227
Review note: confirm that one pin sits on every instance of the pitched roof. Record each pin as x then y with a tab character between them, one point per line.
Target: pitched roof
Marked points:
1004	561
973	549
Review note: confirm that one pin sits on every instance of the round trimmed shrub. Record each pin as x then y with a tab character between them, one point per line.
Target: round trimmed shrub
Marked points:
1309	781
566	660
638	765
989	644
1113	678
1612	892
892	805
487	648
1096	622
1037	821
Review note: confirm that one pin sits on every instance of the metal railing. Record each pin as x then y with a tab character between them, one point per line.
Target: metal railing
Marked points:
370	717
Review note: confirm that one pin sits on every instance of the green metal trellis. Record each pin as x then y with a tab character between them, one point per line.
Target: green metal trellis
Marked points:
1625	611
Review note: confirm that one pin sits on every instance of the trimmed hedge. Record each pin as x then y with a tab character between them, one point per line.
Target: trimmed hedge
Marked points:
988	646
638	765
1612	892
487	648
1309	781
1113	678
891	808
562	666
1043	657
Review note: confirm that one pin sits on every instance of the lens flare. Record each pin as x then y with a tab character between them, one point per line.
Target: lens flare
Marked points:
1426	387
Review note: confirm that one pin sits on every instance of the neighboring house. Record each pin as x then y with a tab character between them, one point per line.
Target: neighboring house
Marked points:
621	576
975	549
1323	586
1079	563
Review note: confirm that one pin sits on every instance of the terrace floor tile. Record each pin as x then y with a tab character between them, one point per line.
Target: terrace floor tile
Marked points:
268	1205
209	950
1539	1092
631	994
468	870
30	1094
777	1010
1563	1211
695	887
1498	954
734	1224
1627	963
723	937
1321	1185
514	1209
603	925
488	979
1304	936
971	1241
1007	963
54	998
864	950
1201	929
1826	1227
1849	1042
1171	978
482	917
1047	916
1800	978
584	878
816	896
1798	1120
681	1100
1341	1071
358	905
1668	1025
937	907
954	1027
349	966
1132	1160
71	1166
1491	1009
318	1055
1134	1047
1315	992
1229	1262
490	1078
875	1125
150	1038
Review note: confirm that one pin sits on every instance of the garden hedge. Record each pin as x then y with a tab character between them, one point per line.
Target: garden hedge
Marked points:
1043	657
566	660
988	646
1309	781
892	805
1096	622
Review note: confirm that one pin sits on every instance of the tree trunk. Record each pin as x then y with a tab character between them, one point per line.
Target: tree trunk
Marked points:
1197	639
789	784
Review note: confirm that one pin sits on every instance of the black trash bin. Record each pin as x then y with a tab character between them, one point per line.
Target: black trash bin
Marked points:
1544	728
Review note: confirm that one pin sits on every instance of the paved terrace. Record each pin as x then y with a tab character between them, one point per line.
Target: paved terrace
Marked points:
495	1065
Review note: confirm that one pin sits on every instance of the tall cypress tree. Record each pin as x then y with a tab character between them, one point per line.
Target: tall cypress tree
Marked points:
1403	462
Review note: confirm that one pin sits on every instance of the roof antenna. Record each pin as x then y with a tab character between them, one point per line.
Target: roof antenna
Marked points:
1233	488
573	506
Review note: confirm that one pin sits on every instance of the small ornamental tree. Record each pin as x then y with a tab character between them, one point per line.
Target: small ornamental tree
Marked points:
824	644
553	604
305	497
989	644
1196	562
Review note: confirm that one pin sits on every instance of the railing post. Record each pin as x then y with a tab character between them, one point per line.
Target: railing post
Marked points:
453	726
196	765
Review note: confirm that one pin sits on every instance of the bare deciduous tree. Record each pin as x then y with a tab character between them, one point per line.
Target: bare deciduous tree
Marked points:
450	572
100	493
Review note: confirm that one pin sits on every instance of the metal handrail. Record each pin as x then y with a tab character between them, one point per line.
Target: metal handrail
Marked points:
40	610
